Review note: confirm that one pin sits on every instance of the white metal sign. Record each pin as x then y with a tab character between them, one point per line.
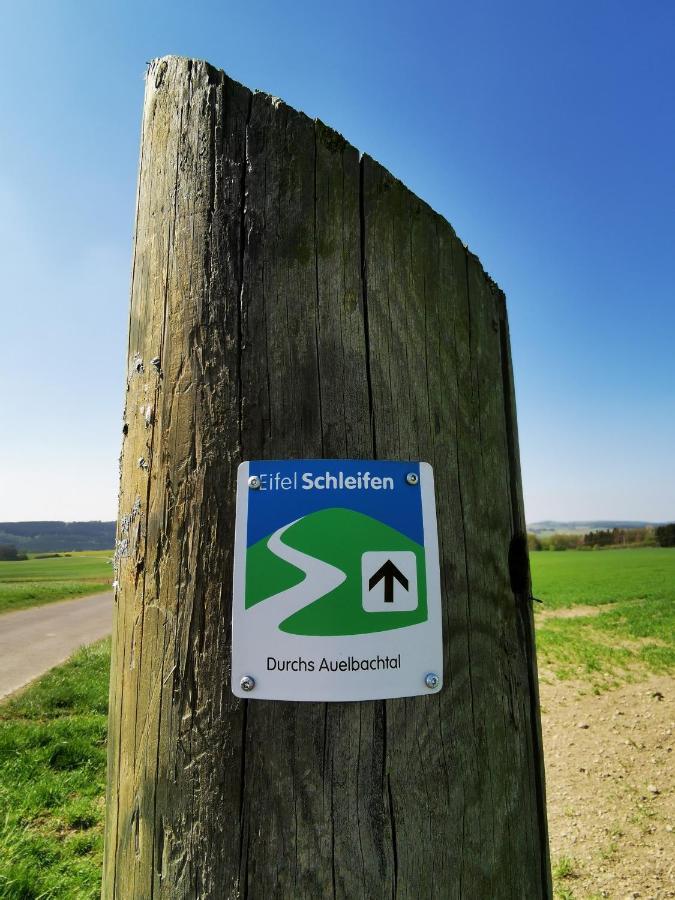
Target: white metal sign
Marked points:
336	581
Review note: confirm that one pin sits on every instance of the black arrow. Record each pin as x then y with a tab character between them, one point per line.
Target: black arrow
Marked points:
388	572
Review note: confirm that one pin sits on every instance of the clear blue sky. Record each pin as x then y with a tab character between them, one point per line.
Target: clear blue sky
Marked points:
543	131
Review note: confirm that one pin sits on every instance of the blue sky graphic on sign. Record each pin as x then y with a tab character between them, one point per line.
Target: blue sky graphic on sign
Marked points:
291	489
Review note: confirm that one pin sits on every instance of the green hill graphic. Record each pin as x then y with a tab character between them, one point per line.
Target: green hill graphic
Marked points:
266	574
338	537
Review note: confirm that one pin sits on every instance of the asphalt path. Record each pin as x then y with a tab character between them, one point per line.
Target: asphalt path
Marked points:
34	640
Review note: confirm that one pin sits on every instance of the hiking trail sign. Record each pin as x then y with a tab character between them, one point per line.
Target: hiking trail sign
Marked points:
336	581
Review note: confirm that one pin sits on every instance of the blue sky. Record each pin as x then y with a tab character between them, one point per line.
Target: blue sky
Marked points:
544	132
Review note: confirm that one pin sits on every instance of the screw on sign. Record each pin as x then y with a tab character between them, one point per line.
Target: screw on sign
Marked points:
247	683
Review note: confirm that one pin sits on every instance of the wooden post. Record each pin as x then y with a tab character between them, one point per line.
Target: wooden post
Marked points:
290	299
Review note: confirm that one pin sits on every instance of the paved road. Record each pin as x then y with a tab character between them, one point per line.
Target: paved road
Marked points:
34	640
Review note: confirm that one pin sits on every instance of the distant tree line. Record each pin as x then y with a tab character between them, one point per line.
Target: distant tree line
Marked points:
554	541
620	537
9	553
57	537
665	535
661	536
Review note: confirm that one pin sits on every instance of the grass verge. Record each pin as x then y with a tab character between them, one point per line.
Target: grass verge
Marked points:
52	782
35	581
22	596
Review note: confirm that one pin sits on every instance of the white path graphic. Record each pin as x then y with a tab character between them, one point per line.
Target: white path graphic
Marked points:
320	579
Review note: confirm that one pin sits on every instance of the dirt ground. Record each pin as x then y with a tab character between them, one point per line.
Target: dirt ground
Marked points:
610	782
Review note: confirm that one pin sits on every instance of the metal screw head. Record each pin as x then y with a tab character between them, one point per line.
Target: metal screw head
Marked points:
247	683
254	482
432	680
412	478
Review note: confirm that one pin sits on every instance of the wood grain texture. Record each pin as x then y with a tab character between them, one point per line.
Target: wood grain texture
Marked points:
290	299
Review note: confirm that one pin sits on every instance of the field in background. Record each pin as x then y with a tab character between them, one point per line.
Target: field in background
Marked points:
35	581
595	577
605	616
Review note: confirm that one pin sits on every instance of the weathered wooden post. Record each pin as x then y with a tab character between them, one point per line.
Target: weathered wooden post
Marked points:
292	300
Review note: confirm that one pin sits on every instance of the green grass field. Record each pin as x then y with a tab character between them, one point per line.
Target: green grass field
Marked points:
595	577
52	781
632	626
35	581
